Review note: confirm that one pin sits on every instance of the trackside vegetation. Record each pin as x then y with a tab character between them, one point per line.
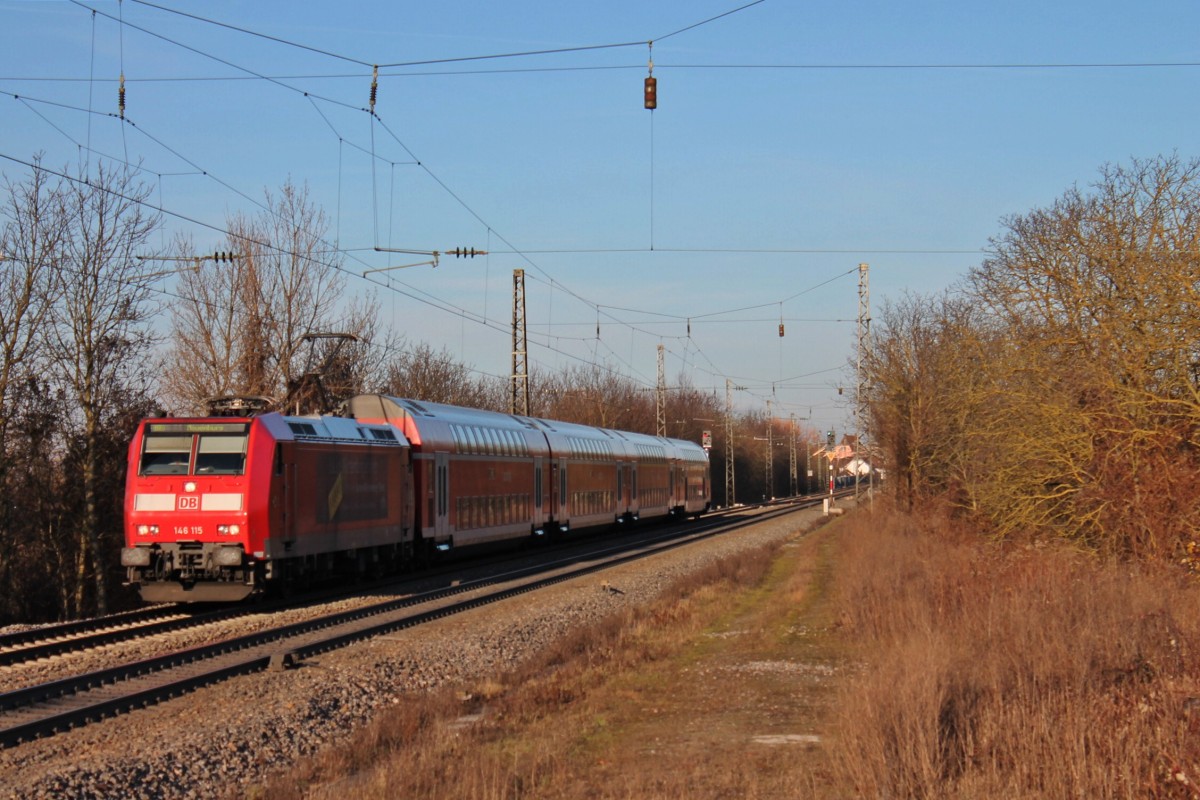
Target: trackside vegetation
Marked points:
1056	392
880	656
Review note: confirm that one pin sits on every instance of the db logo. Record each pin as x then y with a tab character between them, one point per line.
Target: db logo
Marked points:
189	502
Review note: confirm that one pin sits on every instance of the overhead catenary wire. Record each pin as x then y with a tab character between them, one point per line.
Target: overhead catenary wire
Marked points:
311	97
633	67
267	245
486	57
419	296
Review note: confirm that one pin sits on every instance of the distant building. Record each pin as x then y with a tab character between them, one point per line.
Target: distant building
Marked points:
846	461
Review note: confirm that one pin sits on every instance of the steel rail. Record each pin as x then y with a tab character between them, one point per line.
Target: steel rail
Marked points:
59	705
41	633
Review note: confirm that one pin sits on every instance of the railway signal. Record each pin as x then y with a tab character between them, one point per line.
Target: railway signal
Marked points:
651	85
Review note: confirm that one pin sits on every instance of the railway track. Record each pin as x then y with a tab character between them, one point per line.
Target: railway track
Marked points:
57	640
58	705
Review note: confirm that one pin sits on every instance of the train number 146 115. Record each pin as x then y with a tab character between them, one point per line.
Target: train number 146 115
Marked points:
188	530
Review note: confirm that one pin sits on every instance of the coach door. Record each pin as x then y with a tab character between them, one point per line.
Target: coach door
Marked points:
538	517
622	490
560	501
441	494
633	489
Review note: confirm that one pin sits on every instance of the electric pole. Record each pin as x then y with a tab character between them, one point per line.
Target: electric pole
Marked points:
770	465
661	394
729	488
519	401
864	347
792	458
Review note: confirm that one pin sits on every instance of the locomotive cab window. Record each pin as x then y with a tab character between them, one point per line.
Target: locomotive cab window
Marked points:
221	455
170	453
166	455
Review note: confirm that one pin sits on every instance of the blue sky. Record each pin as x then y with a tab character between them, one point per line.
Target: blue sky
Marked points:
792	141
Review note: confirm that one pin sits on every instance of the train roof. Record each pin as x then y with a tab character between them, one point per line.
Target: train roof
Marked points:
281	428
339	429
396	409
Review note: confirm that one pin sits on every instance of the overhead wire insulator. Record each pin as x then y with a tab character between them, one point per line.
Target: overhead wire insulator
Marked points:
374	86
121	97
781	330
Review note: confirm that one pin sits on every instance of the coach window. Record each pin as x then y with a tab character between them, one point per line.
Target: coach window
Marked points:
166	455
221	455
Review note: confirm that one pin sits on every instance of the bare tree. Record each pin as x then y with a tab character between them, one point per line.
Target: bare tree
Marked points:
420	372
241	325
1104	286
30	242
593	394
1060	392
99	342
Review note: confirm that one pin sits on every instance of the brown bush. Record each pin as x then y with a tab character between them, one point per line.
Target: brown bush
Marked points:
1041	672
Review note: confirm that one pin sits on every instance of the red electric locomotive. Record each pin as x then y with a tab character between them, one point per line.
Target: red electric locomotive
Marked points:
215	509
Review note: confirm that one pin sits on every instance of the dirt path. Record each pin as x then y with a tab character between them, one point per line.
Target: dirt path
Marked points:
735	711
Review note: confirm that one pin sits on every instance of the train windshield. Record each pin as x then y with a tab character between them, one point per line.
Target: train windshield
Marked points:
217	449
166	455
221	455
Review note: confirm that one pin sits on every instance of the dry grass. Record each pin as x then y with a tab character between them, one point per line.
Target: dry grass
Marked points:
1039	672
978	672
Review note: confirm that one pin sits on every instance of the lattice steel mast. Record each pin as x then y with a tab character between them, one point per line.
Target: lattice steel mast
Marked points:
864	347
769	477
661	395
729	486
519	402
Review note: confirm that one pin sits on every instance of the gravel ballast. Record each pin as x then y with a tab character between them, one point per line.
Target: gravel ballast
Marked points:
213	742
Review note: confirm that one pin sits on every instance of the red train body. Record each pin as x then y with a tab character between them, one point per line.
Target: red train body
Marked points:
218	509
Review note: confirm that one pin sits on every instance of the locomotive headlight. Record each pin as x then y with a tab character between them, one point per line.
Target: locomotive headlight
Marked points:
190	486
143	530
223	530
235	530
